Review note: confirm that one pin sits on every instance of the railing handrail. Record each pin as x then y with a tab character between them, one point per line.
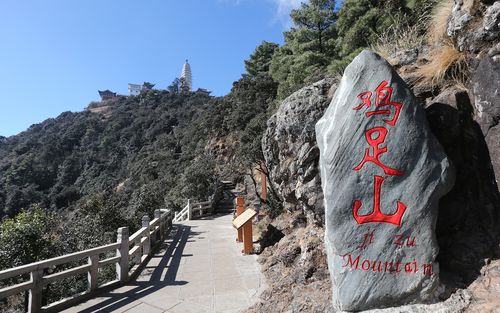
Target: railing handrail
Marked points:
151	232
203	203
190	207
23	269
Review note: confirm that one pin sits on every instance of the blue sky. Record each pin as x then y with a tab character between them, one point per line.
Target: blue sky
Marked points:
56	54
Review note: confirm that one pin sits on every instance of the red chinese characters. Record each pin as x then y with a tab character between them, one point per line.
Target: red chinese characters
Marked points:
383	95
375	138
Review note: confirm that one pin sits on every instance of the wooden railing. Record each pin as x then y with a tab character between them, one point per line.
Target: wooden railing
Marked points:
193	210
137	247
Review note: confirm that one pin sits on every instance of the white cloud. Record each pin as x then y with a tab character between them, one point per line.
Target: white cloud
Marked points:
285	6
283	9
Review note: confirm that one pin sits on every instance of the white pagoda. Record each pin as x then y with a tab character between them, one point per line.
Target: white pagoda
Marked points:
186	77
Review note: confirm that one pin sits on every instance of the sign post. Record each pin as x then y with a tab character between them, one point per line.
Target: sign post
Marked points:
244	222
263	182
240	208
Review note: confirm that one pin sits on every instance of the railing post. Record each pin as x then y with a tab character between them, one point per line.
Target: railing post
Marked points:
146	248
122	251
159	233
190	206
169	221
93	273
35	297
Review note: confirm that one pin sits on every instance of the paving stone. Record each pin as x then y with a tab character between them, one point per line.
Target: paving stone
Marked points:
143	307
231	301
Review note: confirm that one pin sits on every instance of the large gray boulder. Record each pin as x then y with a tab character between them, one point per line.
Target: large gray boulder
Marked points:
382	175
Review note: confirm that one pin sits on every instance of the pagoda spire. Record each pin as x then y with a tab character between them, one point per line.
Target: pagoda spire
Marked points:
186	77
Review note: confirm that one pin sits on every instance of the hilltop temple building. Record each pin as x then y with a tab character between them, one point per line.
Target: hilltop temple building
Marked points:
186	77
186	85
107	94
187	80
135	89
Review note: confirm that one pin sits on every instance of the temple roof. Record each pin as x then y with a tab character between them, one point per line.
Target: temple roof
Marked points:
203	90
106	92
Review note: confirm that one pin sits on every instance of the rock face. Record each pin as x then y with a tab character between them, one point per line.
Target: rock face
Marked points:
487	102
467	227
486	93
382	175
290	149
295	269
475	24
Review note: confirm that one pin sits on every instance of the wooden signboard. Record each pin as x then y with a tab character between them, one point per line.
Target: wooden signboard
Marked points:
243	218
244	222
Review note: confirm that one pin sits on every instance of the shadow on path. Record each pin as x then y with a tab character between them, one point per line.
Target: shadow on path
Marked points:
171	253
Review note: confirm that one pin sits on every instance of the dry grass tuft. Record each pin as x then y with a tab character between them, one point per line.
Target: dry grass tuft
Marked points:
400	36
446	62
438	22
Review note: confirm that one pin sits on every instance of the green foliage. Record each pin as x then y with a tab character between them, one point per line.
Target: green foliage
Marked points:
64	163
323	42
259	60
198	178
309	46
313	28
361	20
29	237
175	86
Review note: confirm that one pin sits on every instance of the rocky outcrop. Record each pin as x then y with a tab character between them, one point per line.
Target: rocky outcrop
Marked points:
295	269
485	289
474	24
382	174
291	152
465	121
469	214
486	94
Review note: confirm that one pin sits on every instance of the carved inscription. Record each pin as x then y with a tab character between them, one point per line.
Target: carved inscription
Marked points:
375	138
379	103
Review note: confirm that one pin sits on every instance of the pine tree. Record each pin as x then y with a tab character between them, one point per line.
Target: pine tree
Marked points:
313	27
309	46
260	59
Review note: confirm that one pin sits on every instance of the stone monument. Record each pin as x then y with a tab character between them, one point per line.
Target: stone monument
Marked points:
382	174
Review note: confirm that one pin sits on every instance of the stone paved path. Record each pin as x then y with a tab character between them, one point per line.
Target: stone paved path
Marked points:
200	269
